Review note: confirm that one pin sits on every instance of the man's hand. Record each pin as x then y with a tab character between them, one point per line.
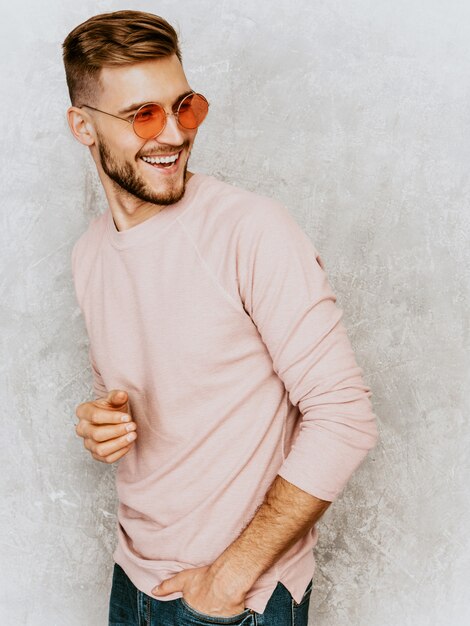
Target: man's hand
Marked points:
102	427
207	592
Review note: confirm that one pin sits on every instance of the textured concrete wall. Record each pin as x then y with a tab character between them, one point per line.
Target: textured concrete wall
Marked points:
356	115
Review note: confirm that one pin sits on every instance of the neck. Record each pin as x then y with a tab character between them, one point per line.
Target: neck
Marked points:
128	210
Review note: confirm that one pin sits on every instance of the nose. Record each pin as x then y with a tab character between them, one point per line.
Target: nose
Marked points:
172	133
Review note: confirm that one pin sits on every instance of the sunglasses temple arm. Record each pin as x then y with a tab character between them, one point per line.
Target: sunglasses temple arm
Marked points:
106	113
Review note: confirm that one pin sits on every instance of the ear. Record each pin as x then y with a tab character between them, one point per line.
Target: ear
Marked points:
81	126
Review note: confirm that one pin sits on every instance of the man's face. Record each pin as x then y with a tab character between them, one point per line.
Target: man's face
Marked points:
119	150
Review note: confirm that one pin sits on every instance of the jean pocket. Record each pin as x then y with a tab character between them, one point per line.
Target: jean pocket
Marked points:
195	617
306	595
122	599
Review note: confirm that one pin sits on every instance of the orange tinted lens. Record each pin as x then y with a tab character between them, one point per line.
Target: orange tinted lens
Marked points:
192	110
149	120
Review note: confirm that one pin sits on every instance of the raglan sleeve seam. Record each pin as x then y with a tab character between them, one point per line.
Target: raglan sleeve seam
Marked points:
236	305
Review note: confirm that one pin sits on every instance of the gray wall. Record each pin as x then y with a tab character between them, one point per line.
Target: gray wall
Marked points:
356	115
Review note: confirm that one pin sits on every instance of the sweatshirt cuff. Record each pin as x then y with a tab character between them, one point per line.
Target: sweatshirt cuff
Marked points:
322	467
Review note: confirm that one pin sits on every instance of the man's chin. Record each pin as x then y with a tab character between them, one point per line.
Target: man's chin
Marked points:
169	192
168	187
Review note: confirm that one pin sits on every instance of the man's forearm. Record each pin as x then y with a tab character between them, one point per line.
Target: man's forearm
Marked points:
286	514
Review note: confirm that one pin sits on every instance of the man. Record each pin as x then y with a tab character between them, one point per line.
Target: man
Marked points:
214	329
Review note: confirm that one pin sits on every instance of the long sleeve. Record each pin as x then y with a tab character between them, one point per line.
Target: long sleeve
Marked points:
285	290
99	387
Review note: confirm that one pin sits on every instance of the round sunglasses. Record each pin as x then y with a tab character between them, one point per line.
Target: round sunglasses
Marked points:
150	119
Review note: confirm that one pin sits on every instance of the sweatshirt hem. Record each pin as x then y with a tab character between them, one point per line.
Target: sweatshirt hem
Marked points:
294	577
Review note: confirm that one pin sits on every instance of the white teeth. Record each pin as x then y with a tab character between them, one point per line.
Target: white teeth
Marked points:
168	159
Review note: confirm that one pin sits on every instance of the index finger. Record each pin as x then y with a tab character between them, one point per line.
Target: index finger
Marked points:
100	415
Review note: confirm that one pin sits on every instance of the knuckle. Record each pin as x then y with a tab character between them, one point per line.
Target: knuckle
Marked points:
97	435
93	433
102	449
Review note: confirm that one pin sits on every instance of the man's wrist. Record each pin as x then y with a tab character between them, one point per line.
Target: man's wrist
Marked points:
286	515
228	567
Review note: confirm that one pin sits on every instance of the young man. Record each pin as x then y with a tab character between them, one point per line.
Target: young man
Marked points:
213	327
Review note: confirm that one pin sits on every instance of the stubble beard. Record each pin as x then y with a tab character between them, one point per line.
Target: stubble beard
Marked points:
126	177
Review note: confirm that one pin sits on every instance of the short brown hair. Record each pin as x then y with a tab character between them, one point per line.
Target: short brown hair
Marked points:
113	39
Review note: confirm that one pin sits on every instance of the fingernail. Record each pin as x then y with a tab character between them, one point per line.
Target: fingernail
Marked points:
131	437
125	418
130	427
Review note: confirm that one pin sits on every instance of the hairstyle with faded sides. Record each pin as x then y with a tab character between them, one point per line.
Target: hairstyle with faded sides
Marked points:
113	39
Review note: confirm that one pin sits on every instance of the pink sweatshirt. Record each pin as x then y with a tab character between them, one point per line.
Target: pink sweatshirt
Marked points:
217	317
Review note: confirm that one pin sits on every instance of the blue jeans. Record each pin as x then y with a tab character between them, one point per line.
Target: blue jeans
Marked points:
128	606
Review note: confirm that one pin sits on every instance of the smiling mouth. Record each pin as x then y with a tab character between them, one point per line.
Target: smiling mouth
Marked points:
163	162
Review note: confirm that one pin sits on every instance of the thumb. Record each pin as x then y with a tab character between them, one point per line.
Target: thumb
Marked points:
117	397
167	586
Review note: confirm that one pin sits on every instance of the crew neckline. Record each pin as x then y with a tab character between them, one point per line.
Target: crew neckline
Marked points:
154	224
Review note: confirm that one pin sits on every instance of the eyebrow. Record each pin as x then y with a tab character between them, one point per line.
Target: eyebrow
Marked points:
136	105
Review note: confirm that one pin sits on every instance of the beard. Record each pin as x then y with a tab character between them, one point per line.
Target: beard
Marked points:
126	178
